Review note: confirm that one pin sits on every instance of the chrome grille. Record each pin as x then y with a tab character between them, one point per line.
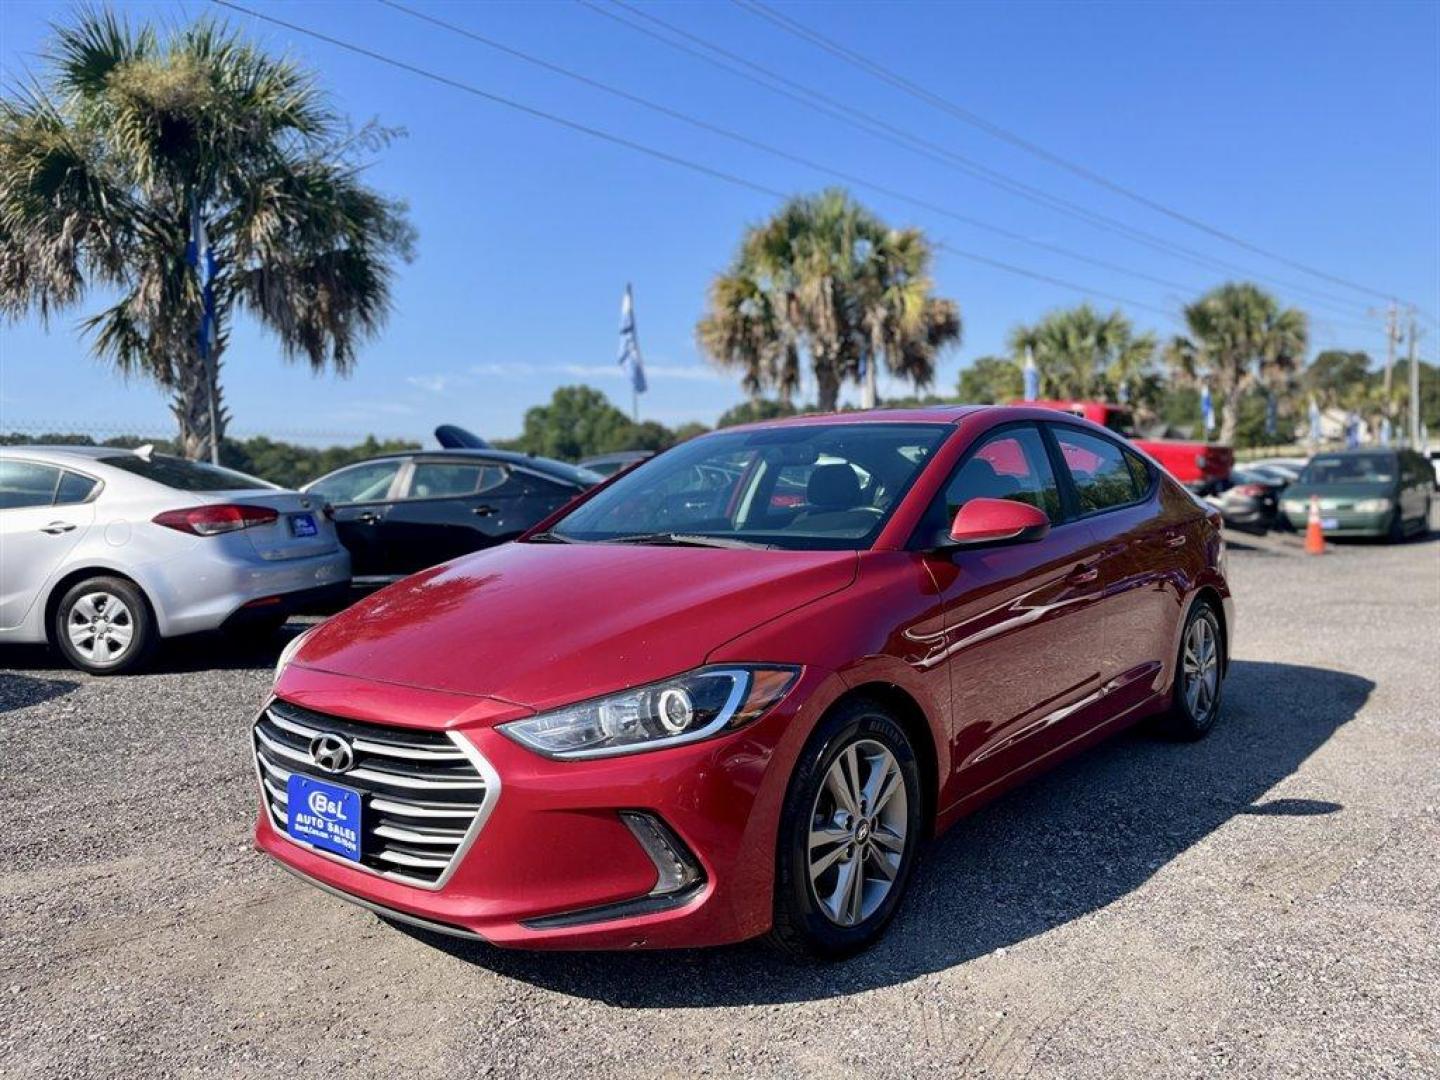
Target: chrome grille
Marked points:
424	794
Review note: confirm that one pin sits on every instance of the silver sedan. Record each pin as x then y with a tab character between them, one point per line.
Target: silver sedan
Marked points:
104	552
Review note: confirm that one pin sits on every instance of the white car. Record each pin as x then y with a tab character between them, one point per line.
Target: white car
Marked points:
103	552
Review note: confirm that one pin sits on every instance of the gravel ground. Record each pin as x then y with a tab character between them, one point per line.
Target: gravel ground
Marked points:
1265	902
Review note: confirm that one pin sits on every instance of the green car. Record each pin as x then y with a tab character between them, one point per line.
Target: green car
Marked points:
1363	493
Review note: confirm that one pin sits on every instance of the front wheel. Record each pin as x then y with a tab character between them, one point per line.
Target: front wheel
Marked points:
1199	675
849	831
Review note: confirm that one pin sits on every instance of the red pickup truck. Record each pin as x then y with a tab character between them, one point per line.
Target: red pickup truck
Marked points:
1203	467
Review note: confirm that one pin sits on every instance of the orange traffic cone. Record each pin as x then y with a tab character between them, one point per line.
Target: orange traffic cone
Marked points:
1314	533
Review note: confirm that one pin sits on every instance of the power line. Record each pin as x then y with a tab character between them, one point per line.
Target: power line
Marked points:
876	127
638	147
895	79
786	155
509	103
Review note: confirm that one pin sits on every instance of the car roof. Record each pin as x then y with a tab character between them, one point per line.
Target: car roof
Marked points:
921	414
63	451
506	457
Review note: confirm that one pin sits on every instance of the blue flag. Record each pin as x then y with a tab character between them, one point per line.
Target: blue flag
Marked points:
1032	377
630	359
202	260
1207	408
1269	413
1314	421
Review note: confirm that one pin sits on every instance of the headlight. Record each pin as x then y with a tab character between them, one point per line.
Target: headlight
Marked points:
697	705
1372	506
1294	506
288	653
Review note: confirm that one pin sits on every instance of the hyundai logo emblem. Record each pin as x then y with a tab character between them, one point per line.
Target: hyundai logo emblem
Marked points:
332	753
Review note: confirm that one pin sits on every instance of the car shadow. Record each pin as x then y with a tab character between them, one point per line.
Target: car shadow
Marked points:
21	691
1068	844
212	651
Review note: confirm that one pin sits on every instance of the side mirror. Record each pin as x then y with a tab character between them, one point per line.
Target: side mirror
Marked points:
995	521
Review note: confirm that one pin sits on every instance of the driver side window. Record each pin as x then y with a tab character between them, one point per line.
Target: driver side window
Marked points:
1009	464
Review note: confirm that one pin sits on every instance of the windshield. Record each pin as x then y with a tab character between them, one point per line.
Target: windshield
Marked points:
804	487
184	475
1354	469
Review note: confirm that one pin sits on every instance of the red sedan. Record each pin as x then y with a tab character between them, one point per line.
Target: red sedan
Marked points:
733	690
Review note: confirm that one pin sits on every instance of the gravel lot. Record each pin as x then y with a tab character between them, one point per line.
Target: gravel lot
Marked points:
1266	902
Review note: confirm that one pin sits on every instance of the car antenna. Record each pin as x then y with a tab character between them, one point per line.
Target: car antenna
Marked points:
144	451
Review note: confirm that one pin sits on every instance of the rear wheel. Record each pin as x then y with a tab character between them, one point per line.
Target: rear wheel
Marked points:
1199	675
849	832
104	626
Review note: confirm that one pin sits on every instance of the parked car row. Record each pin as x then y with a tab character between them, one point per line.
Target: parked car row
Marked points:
104	552
108	551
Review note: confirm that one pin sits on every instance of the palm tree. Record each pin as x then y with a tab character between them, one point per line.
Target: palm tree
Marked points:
826	278
109	170
1239	339
1081	354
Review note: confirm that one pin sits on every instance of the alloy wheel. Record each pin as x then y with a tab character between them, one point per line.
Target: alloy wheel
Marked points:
857	832
1201	667
101	627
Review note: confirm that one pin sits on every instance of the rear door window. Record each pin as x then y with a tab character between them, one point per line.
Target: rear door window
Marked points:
1100	470
368	482
452	479
26	483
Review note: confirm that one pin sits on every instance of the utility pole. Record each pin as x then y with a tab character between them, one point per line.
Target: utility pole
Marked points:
1414	388
1392	338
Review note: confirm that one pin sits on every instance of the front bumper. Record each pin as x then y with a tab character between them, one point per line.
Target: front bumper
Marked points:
1348	522
555	865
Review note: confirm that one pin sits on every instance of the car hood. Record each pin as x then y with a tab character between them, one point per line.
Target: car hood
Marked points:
1340	491
542	625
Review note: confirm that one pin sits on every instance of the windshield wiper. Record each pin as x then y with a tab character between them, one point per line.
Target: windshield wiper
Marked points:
687	540
549	537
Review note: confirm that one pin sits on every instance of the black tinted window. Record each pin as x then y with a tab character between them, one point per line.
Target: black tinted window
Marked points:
1099	469
451	479
74	488
24	483
369	482
183	475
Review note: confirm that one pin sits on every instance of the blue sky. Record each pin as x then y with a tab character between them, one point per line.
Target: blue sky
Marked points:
1312	130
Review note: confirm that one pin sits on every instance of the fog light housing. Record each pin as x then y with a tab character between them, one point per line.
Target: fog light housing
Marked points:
675	867
678	877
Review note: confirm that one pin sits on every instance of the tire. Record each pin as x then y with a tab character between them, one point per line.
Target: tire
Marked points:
1193	710
118	611
816	916
1396	533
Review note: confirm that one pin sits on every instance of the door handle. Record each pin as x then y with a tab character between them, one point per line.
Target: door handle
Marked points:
1083	575
482	511
55	528
369	517
1175	540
